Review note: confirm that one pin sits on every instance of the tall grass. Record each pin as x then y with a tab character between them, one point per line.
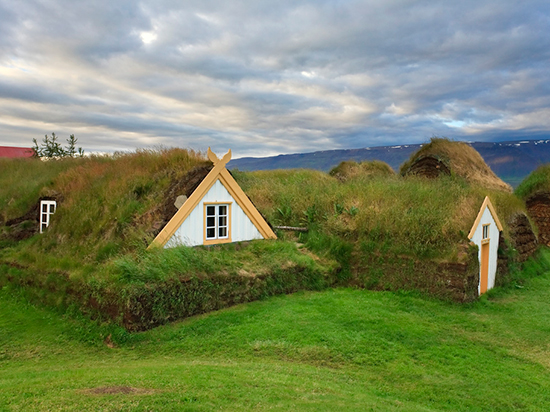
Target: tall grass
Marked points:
413	216
23	181
108	203
359	170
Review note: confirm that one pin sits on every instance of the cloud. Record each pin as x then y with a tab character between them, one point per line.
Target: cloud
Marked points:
270	77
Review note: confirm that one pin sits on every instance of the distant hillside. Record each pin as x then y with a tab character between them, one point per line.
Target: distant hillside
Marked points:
511	161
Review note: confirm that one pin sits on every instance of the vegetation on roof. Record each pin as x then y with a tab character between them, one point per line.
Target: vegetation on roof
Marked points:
371	229
537	181
462	159
351	169
416	217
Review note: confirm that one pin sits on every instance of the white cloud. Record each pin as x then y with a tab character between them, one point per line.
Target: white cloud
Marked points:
267	77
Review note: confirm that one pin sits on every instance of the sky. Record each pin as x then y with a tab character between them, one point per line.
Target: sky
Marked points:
265	77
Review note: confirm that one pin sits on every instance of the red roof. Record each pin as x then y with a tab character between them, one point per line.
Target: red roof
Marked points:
10	151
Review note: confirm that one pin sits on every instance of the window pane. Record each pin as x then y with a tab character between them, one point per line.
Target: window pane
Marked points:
210	221
210	210
52	208
210	233
222	221
223	210
44	207
223	232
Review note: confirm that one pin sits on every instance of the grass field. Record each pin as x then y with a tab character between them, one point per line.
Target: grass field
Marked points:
343	349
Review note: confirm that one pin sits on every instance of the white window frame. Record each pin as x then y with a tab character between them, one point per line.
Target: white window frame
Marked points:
47	208
217	225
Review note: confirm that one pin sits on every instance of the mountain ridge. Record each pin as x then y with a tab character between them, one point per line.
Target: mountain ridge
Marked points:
512	161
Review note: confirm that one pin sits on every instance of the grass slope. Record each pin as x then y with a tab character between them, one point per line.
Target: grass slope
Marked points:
340	349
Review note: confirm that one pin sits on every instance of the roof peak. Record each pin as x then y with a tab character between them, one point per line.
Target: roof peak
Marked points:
214	159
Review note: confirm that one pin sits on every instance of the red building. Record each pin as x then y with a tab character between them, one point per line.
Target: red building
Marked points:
10	151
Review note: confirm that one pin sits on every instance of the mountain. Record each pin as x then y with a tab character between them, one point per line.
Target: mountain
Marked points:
512	161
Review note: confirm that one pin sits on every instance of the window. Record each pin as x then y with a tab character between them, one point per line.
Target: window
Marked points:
485	232
47	208
217	218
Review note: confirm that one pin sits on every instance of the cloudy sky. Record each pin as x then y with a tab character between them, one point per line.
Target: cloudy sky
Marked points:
264	77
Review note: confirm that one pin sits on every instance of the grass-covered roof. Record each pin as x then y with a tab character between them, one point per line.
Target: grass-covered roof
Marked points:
111	204
462	160
372	228
538	181
351	169
413	216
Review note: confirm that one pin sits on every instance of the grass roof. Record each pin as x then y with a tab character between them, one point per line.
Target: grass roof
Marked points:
350	169
462	159
538	181
415	216
109	203
112	204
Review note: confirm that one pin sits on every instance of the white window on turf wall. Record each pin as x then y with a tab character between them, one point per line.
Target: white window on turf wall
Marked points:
216	222
47	208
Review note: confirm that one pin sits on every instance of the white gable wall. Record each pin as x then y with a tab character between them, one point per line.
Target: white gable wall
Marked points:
191	231
494	235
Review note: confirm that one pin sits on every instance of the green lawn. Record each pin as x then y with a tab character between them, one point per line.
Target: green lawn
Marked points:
343	349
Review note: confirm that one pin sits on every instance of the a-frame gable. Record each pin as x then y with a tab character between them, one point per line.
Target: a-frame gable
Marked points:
218	172
486	204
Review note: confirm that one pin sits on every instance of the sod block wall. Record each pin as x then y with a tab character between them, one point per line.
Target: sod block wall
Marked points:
538	207
456	281
522	237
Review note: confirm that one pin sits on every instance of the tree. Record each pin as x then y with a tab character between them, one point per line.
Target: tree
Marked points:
71	148
51	148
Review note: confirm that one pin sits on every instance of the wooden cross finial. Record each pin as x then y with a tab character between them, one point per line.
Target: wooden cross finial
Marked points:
214	159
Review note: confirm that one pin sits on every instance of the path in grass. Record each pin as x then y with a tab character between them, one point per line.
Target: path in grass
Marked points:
347	349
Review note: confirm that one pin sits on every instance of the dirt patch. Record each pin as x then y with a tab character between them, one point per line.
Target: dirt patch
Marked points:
114	390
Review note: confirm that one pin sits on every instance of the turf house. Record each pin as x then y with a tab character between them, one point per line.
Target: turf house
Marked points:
217	211
118	245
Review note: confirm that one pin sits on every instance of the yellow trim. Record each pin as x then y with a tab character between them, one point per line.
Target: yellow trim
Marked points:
246	205
486	203
218	172
216	240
